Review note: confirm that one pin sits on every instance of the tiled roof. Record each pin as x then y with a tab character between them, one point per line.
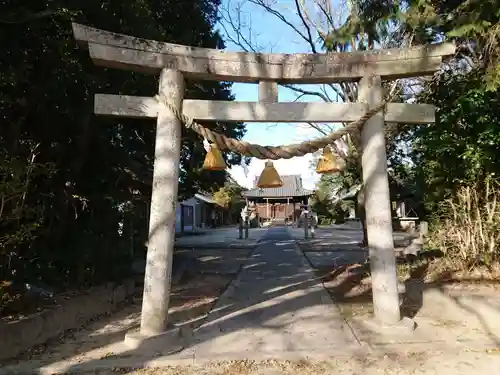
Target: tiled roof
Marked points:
200	197
205	198
292	187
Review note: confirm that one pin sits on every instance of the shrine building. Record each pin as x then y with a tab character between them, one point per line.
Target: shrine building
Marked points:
282	204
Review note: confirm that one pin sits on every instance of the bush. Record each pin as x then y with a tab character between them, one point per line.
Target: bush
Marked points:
324	220
468	230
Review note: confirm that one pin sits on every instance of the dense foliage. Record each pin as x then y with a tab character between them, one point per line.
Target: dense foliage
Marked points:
75	188
431	163
463	147
473	24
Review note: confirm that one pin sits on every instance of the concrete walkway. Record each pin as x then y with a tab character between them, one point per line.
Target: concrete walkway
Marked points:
347	234
274	306
226	237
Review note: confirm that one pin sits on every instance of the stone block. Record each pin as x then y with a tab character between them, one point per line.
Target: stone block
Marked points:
165	343
404	327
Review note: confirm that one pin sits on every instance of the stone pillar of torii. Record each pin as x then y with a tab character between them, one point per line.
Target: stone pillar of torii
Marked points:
173	63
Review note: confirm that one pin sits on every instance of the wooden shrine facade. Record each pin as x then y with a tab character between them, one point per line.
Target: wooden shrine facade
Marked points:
279	204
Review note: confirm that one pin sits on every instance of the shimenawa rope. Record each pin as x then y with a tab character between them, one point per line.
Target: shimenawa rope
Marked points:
271	152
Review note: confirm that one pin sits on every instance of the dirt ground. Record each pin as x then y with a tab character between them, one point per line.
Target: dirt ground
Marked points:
191	299
350	285
16	303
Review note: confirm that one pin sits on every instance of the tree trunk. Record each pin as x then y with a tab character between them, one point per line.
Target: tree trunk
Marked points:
360	198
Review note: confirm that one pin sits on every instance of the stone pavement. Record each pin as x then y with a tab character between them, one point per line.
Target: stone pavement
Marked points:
447	315
336	245
349	233
221	237
275	306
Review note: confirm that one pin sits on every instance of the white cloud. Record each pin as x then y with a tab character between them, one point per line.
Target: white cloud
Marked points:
294	166
305	131
293	133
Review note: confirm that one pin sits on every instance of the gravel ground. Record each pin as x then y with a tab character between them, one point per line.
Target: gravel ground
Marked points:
459	363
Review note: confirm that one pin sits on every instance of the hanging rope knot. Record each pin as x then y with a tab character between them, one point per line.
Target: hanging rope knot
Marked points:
187	121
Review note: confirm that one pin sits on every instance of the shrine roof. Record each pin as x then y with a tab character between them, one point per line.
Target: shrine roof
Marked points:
292	187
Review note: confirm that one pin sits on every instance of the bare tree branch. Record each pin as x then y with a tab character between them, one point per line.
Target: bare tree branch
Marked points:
235	34
282	18
308	29
305	27
335	88
307	92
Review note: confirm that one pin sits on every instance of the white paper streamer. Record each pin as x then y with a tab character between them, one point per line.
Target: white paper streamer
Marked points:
206	144
342	146
245	167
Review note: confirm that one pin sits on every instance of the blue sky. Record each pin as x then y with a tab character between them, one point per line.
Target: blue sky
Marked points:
274	36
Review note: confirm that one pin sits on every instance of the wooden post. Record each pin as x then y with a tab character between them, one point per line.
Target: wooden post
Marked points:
286	209
202	215
240	228
267	210
423	231
163	201
378	207
424	228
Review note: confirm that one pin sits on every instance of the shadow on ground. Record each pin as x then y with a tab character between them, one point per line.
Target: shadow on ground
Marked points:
448	309
295	307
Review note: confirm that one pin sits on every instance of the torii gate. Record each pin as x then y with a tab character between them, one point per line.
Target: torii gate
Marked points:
173	62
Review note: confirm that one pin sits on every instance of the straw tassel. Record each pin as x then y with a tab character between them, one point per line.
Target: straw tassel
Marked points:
269	178
329	163
214	160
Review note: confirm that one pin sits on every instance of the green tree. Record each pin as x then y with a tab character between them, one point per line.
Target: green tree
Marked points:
230	196
325	202
473	24
93	202
463	147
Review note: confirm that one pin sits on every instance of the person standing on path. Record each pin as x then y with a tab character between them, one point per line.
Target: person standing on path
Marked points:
214	219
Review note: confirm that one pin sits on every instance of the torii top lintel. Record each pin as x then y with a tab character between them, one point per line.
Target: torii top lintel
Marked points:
126	52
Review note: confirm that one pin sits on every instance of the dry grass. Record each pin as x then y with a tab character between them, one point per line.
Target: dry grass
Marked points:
468	233
466	362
